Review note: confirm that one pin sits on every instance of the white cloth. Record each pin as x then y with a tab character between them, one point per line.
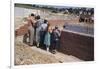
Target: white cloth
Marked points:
43	26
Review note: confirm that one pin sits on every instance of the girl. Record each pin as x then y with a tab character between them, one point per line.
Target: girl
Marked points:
47	38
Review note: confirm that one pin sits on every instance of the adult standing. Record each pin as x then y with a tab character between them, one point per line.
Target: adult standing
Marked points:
42	33
38	23
31	29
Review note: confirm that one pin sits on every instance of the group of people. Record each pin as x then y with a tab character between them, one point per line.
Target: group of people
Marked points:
41	33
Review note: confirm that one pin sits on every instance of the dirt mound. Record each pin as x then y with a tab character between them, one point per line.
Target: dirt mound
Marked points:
25	55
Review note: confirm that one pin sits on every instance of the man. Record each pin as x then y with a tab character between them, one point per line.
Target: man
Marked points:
38	24
31	29
42	33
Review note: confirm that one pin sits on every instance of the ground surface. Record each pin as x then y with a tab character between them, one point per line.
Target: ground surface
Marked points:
26	55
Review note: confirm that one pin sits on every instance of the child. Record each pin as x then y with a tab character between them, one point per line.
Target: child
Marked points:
47	38
55	38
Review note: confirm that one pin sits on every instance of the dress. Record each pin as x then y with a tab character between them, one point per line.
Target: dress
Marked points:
47	39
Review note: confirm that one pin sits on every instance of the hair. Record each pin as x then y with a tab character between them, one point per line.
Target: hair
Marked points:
56	27
32	14
37	17
48	26
45	21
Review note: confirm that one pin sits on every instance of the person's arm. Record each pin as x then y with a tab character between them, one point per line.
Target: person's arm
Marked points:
58	33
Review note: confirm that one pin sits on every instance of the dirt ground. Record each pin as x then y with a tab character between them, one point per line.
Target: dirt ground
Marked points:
26	55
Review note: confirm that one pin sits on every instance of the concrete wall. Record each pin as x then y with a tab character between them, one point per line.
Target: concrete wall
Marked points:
81	46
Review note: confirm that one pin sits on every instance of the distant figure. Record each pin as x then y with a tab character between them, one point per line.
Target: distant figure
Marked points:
31	29
47	38
55	39
38	24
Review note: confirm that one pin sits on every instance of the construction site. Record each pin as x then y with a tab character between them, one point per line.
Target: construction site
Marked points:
77	34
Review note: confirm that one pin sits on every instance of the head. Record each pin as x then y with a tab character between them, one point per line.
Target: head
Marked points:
56	27
31	16
45	21
37	17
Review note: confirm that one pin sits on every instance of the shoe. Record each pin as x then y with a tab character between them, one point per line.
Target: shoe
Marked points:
38	45
47	49
30	45
54	52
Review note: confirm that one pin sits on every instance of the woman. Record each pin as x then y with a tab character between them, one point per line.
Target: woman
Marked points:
47	38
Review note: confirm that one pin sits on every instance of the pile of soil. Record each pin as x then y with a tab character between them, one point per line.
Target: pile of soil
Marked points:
25	55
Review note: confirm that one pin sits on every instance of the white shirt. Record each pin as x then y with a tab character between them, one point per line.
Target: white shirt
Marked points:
44	26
